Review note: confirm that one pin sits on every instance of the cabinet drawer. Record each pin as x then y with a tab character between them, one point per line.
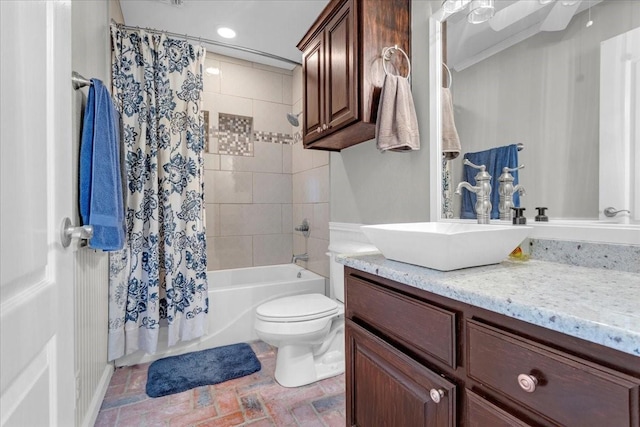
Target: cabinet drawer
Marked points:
481	413
569	391
418	325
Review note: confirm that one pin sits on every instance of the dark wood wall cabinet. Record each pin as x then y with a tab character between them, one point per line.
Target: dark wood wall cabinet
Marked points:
418	359
342	69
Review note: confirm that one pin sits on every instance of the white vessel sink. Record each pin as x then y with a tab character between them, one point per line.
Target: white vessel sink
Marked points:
446	246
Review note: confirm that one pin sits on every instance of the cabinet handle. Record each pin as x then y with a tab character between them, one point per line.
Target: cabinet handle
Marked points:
436	395
319	129
325	127
527	382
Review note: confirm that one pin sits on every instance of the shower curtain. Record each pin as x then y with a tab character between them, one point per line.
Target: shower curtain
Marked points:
160	276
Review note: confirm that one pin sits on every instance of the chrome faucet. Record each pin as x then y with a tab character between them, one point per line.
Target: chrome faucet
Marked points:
506	189
301	257
482	190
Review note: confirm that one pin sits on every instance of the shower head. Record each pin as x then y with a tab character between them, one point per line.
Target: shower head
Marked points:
293	119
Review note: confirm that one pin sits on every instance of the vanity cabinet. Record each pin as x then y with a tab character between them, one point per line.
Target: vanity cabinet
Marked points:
342	69
419	359
389	388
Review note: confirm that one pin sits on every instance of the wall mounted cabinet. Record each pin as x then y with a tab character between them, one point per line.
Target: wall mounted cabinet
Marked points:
419	359
342	69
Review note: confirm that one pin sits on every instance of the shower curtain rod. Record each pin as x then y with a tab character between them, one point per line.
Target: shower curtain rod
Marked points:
209	41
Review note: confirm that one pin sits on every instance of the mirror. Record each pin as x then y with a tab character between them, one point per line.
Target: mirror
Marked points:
543	89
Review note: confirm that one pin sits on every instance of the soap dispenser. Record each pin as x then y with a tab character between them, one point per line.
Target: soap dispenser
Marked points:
506	189
541	217
518	216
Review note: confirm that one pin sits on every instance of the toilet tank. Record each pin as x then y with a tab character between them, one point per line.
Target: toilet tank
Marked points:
349	240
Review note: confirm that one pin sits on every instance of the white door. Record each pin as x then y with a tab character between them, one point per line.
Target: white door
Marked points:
620	126
37	386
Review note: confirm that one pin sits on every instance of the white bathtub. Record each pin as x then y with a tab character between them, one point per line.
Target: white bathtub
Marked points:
233	297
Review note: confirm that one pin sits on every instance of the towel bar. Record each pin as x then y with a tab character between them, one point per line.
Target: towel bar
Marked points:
68	232
78	81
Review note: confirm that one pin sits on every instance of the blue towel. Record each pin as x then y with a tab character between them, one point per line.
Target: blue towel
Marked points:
101	202
494	159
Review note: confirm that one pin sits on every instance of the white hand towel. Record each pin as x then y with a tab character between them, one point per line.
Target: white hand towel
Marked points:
450	139
397	125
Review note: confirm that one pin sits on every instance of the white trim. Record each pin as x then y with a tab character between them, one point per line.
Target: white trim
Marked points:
435	116
91	415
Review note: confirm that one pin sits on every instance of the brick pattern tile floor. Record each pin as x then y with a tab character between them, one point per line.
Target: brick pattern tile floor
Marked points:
256	400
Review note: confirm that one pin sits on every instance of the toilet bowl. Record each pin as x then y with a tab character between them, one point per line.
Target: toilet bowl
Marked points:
308	329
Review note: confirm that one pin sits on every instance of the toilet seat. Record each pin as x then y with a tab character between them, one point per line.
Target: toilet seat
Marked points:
297	308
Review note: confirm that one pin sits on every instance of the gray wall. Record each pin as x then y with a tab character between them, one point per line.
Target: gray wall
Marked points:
370	187
544	92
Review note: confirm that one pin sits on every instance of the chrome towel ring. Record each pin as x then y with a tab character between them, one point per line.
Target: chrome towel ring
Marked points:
386	56
449	79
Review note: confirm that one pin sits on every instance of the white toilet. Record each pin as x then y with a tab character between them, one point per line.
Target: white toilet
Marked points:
308	330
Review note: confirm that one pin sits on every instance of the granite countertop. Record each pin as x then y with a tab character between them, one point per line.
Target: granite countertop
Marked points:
597	305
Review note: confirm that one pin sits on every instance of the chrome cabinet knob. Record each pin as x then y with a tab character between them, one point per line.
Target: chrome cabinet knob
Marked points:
325	127
436	395
527	382
318	129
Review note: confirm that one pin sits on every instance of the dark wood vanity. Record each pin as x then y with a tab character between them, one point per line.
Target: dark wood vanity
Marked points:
415	358
342	69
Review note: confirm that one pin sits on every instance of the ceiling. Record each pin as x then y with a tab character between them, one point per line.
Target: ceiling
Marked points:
271	26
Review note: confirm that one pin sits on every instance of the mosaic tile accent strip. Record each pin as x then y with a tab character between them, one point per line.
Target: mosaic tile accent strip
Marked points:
273	137
205	115
235	135
586	254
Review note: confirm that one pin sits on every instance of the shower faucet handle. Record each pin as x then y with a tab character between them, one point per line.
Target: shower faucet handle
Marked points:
304	228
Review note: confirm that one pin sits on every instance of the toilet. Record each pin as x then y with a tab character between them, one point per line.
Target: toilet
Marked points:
308	329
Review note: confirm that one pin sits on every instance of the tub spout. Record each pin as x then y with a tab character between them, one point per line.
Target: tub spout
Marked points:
301	257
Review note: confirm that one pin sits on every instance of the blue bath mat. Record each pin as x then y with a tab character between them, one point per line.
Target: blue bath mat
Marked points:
176	374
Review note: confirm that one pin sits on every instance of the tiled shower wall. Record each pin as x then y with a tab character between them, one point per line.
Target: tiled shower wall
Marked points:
259	184
247	182
310	169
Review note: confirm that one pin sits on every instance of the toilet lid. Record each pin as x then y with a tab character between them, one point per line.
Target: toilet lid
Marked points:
297	308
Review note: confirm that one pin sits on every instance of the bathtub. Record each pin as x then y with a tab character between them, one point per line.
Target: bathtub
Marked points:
233	297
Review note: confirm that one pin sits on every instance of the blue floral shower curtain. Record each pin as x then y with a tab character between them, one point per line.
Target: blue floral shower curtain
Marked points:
160	276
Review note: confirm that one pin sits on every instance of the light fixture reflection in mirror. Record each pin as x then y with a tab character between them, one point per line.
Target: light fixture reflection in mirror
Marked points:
480	11
453	6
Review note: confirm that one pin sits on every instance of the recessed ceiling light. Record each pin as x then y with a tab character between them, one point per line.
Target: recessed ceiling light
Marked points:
212	71
227	33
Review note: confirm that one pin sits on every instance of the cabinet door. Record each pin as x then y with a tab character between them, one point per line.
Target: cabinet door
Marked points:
313	90
341	78
385	387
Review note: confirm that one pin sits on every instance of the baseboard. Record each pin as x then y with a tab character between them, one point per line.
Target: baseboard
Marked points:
96	402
